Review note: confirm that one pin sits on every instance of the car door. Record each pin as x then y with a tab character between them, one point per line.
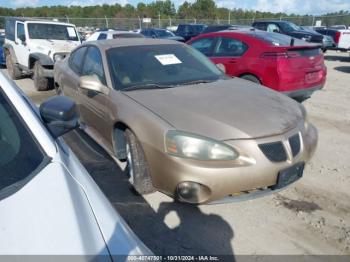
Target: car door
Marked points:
69	79
229	52
94	105
21	48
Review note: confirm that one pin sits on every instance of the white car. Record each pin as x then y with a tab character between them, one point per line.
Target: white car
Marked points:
49	204
33	46
113	34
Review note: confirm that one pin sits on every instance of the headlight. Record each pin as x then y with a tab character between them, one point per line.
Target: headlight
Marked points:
187	145
58	57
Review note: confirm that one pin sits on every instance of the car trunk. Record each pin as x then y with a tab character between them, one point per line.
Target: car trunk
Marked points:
300	67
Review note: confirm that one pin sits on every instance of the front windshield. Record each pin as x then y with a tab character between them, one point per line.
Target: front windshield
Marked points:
289	27
52	32
166	65
164	33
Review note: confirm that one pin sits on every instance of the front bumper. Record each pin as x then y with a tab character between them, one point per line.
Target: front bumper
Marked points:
252	174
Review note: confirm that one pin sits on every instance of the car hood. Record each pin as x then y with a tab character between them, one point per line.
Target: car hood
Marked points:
55	46
223	110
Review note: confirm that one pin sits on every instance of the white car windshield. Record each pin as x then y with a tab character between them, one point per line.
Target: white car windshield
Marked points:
52	32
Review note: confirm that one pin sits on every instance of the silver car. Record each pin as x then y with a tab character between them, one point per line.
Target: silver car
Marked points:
49	205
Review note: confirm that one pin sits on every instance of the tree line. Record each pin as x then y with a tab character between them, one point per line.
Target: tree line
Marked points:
200	9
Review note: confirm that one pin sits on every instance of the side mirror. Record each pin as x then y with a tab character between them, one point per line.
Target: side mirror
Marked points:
92	83
59	114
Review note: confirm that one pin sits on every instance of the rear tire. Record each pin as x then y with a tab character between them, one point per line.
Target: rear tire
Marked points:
137	165
251	78
41	83
301	99
12	69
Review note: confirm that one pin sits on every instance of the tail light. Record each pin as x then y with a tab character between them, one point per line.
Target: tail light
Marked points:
337	37
276	55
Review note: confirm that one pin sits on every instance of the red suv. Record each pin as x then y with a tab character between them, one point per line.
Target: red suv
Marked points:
277	61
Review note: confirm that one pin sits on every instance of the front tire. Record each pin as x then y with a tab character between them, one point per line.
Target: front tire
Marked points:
12	69
41	83
139	173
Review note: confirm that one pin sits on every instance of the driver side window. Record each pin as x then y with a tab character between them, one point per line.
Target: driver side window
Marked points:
273	28
93	65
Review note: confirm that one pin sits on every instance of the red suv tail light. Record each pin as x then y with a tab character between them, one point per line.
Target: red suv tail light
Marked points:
337	37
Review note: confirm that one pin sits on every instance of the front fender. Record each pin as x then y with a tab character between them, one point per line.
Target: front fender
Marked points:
44	60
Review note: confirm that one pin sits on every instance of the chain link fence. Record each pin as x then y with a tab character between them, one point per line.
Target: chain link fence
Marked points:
136	23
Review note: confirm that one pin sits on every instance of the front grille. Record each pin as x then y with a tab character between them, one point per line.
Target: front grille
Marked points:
274	151
294	142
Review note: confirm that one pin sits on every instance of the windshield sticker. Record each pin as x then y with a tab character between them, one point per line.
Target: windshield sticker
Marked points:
71	32
169	59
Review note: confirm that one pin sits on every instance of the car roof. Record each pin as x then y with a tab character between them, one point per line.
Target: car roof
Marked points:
38	20
122	42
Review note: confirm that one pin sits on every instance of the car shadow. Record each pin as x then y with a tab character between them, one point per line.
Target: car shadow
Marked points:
343	69
337	58
196	233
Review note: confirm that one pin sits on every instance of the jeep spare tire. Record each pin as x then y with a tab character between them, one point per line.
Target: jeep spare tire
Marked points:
41	83
12	69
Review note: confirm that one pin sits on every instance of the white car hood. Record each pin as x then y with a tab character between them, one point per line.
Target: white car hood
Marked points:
55	46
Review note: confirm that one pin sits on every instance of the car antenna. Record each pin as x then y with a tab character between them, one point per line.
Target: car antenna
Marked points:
292	42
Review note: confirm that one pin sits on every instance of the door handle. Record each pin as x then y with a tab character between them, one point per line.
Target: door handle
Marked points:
233	61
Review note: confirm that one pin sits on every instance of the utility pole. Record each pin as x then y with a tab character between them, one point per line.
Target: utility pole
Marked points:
229	16
106	22
159	19
67	18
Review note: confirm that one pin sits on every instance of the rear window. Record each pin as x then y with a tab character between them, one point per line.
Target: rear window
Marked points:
126	35
21	156
277	39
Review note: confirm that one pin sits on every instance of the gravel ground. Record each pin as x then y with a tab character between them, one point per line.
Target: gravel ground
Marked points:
310	217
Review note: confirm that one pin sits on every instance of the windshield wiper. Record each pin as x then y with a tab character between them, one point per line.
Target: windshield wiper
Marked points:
200	81
147	86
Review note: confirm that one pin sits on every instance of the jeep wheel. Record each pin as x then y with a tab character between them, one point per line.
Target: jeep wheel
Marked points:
138	168
12	69
41	83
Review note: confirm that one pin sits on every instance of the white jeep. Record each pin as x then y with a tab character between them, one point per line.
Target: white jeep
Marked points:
33	46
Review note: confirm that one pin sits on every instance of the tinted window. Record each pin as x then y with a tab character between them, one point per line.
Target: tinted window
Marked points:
76	59
20	154
260	26
288	26
230	47
10	29
20	31
2	40
170	64
127	35
277	39
102	36
93	64
52	31
204	45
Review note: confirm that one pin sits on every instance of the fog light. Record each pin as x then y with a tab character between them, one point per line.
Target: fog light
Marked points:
192	192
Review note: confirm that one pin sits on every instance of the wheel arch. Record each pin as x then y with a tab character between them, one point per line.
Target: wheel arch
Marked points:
44	60
119	139
251	74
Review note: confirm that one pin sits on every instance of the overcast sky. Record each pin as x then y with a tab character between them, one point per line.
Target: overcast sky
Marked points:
287	6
